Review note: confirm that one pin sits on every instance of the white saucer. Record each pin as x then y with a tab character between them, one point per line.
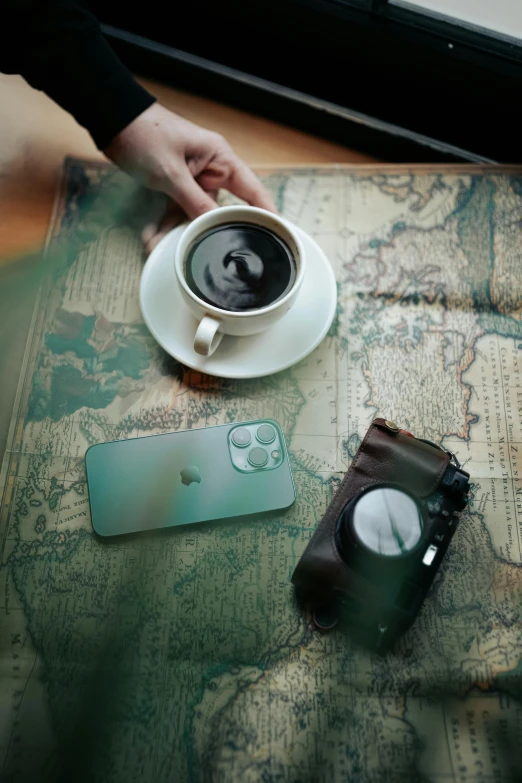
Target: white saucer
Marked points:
284	344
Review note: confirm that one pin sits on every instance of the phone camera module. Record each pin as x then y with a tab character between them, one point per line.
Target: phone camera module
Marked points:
258	457
266	433
241	437
256	446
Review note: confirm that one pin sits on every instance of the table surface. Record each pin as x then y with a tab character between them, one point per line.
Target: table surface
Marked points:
37	135
469	636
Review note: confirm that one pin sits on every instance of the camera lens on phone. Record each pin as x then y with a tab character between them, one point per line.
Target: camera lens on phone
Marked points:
241	437
266	433
258	457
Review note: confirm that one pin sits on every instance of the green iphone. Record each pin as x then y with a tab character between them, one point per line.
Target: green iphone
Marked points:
185	477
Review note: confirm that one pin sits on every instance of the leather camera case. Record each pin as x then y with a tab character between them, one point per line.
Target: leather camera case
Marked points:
386	455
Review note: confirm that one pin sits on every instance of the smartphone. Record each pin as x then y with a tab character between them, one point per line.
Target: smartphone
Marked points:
186	477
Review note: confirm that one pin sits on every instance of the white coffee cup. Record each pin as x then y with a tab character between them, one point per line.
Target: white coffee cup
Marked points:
214	322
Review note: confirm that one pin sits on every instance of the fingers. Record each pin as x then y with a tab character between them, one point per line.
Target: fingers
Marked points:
227	170
147	234
173	217
154	232
244	184
151	238
189	195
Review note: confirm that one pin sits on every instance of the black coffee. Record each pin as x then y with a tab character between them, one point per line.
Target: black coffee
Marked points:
238	266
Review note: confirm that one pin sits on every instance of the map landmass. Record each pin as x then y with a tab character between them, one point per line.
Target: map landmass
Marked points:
182	655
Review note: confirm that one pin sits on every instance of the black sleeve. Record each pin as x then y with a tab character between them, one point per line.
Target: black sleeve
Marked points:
58	47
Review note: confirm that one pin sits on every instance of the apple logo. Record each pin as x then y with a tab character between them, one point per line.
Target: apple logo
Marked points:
190	474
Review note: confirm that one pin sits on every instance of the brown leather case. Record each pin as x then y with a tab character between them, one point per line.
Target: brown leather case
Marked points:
386	455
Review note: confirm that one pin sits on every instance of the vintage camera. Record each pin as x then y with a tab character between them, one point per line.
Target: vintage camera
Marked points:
382	539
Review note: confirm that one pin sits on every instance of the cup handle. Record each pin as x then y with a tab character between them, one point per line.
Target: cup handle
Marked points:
207	336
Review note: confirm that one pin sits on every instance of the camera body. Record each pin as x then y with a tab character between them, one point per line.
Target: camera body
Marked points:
377	549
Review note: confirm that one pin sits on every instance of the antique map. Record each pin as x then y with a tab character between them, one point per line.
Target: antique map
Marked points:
182	656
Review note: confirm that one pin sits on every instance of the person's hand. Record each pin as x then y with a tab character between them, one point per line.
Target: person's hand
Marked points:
190	164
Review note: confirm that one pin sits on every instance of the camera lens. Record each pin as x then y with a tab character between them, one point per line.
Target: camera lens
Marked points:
258	457
241	437
266	433
386	521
